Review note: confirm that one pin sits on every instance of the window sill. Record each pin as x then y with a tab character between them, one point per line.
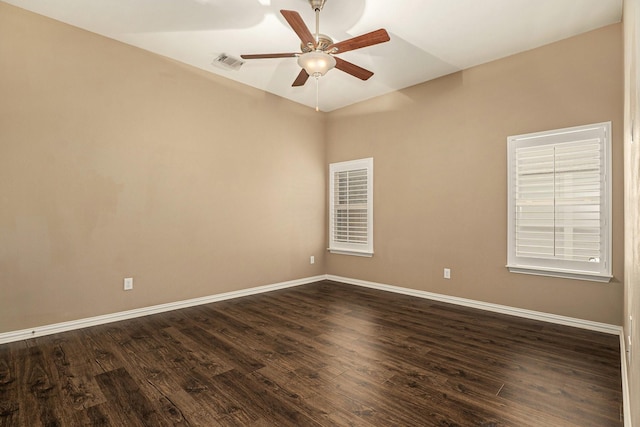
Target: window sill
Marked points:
349	252
565	274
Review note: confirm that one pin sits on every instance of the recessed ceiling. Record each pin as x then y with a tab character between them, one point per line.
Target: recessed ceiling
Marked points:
429	38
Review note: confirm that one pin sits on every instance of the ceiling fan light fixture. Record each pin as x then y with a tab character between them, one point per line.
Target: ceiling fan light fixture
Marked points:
316	63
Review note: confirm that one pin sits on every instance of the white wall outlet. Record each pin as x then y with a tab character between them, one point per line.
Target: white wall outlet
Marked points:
447	273
128	283
312	259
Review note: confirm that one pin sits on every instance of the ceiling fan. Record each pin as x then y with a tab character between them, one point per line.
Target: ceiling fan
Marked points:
317	51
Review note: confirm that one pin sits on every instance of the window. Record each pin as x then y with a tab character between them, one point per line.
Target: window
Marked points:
560	203
351	207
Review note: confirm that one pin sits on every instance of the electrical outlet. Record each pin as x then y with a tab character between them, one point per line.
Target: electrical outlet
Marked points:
312	259
128	283
447	273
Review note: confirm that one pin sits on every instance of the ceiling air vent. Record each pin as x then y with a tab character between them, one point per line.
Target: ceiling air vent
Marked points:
228	62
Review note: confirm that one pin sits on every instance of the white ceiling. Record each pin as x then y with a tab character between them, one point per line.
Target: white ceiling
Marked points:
429	38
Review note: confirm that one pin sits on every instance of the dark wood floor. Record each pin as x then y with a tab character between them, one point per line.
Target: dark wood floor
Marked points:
321	354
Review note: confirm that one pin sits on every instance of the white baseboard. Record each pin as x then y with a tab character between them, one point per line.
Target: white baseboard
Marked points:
513	311
55	328
145	311
625	381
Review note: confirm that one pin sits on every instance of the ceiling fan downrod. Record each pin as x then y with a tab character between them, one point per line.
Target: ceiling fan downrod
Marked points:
317	6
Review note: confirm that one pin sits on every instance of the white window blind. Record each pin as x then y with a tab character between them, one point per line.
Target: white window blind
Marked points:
559	203
351	207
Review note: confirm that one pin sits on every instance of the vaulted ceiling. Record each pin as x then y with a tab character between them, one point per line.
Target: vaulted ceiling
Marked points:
429	38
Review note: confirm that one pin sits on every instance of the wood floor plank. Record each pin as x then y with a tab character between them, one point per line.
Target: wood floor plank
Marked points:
99	348
314	405
9	384
184	354
324	354
96	416
556	403
387	406
124	393
483	410
73	376
229	351
42	405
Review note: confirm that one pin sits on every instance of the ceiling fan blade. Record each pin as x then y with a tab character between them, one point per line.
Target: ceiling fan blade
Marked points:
352	69
269	55
301	79
295	21
369	39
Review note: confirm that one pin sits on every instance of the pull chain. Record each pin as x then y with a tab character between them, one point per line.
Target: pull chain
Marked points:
317	93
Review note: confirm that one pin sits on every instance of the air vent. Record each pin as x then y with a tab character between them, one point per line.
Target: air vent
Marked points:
228	62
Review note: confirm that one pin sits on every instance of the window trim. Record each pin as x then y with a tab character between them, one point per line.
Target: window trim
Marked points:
536	266
365	250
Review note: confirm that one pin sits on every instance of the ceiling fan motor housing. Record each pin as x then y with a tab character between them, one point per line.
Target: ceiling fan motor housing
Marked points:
324	42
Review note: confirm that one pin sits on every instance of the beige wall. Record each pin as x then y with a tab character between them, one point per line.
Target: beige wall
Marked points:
440	181
632	198
115	162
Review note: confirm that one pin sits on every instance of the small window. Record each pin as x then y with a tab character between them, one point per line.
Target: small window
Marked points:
560	203
351	207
